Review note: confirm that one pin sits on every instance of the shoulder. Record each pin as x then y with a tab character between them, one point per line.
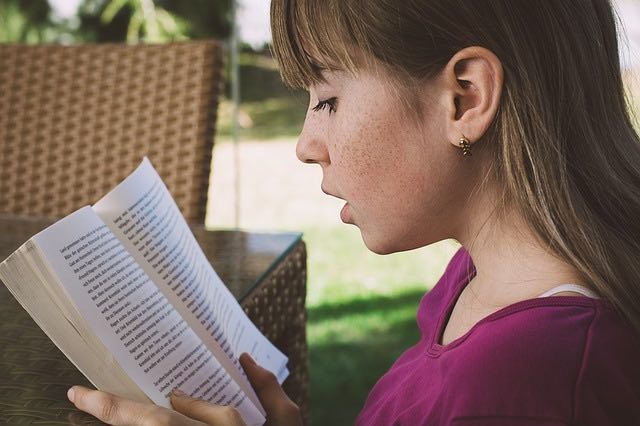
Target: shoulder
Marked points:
607	390
532	340
574	359
558	333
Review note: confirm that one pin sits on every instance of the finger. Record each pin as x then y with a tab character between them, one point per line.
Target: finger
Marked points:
275	401
263	381
205	412
109	408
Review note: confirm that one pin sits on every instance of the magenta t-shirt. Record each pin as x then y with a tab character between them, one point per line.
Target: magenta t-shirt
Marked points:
562	360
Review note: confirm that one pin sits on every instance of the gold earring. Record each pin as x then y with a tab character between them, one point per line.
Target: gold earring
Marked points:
466	147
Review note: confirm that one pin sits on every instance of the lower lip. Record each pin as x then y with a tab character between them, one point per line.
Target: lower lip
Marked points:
344	213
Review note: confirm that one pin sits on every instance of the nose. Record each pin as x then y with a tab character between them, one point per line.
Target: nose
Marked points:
312	144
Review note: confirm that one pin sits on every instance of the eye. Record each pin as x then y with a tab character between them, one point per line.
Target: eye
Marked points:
331	103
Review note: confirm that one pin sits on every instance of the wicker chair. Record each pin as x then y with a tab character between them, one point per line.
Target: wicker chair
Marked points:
75	120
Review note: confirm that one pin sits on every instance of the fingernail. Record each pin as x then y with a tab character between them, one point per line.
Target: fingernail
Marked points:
179	393
71	394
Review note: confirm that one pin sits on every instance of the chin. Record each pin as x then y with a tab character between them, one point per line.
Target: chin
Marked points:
381	250
383	245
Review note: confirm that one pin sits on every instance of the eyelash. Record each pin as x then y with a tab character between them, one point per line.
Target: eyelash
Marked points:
331	103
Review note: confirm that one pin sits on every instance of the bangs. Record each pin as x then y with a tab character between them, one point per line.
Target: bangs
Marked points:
310	36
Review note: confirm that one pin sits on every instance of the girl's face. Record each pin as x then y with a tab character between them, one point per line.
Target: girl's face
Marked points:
396	173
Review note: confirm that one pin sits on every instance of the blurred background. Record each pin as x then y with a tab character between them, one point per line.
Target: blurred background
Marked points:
361	306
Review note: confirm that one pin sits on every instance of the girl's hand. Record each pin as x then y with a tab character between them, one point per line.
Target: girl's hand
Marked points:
189	411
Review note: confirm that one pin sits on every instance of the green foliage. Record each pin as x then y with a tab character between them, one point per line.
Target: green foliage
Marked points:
26	21
147	21
154	21
206	18
116	21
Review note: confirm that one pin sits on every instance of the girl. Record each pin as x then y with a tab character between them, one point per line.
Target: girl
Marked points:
502	124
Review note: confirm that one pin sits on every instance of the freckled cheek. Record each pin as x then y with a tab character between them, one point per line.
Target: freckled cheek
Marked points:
369	160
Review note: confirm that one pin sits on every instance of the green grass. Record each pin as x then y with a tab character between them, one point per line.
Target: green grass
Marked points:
341	268
362	310
351	345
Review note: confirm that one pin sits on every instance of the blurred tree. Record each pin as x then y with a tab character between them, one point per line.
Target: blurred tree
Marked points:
154	21
26	21
116	21
207	18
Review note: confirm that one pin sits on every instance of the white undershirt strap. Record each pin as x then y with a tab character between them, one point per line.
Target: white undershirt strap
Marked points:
570	287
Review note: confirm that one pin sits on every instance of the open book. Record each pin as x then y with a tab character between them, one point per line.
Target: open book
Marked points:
125	291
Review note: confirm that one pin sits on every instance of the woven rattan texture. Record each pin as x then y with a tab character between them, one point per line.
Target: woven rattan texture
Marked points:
75	120
278	310
40	372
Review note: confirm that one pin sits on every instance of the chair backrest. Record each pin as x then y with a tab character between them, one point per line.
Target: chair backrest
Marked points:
76	120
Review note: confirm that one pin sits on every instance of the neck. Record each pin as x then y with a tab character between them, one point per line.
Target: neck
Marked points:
511	264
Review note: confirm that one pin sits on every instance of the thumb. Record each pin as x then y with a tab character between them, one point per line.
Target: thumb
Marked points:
280	409
263	381
203	411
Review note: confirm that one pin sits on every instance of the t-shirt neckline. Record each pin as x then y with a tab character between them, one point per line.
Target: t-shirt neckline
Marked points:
435	348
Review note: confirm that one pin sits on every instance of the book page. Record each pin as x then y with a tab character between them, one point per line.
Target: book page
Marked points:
27	275
145	333
142	213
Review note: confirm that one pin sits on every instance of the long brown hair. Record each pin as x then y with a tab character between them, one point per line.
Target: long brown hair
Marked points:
564	149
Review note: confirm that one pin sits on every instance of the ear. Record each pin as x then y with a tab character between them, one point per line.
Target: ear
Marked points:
474	79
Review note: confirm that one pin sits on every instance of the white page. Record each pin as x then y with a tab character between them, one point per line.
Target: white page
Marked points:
142	213
146	335
28	276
